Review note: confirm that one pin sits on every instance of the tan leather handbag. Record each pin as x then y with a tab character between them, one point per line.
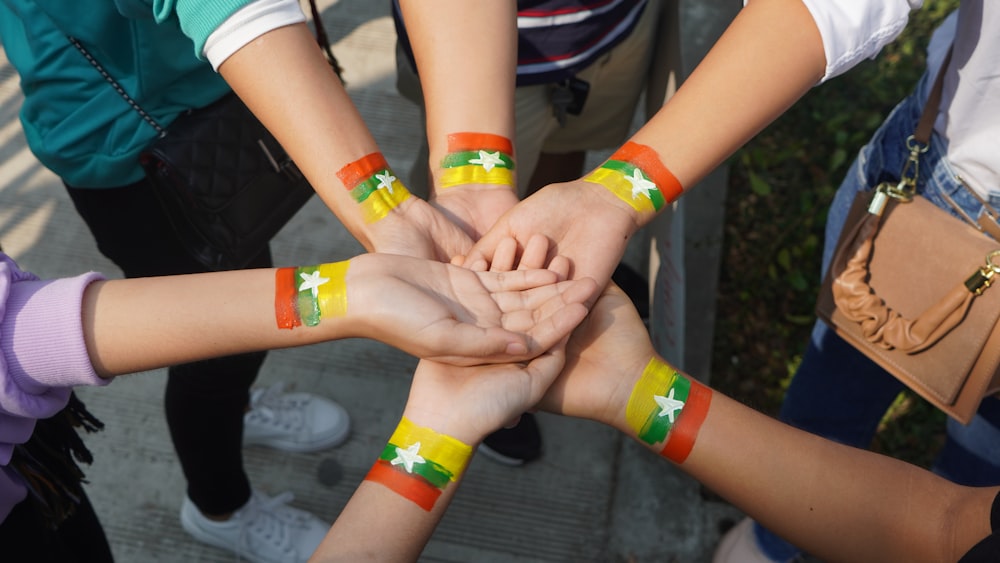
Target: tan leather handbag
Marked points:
907	298
909	286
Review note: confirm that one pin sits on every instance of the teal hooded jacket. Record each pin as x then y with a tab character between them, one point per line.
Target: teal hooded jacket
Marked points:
75	123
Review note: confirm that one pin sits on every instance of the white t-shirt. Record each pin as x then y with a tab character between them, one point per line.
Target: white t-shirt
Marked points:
969	117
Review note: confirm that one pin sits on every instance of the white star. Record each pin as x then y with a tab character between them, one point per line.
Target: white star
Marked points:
408	457
488	160
640	185
312	282
385	180
668	405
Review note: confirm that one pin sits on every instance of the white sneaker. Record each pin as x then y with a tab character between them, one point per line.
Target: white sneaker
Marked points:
294	422
739	545
265	530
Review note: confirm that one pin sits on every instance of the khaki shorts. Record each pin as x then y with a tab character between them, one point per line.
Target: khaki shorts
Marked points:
616	81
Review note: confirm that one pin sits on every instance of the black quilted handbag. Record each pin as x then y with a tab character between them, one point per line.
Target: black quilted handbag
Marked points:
224	182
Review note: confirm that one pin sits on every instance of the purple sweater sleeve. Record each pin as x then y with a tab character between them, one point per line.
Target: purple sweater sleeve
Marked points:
42	356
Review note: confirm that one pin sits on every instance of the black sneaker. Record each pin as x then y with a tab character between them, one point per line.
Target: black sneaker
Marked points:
514	446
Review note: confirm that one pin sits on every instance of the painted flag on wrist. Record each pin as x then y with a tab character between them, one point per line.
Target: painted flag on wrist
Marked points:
635	174
308	294
373	186
418	463
477	158
656	401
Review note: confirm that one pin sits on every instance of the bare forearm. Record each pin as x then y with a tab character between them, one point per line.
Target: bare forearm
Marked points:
377	524
767	59
394	511
815	492
466	56
140	324
286	81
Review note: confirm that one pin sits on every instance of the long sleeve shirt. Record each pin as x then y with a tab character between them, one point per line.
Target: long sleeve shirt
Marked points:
42	357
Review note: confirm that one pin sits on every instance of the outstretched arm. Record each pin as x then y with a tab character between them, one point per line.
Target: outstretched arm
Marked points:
812	491
450	410
466	55
424	307
285	79
769	56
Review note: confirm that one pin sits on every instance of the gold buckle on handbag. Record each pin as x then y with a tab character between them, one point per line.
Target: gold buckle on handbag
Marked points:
906	188
984	277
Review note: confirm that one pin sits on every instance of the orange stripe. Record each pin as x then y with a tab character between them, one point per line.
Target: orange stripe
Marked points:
685	432
361	169
649	162
285	295
479	141
410	487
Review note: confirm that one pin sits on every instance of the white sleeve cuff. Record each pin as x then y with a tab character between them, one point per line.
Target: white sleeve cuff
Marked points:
854	30
248	23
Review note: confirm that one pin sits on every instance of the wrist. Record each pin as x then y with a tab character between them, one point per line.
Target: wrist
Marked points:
419	463
310	295
637	182
665	410
444	422
398	227
475	208
475	158
376	191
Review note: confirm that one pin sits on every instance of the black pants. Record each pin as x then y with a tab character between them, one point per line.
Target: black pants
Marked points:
204	401
24	536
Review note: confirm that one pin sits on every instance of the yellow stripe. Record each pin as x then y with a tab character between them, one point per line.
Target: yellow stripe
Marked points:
615	181
381	202
444	450
656	379
332	296
475	174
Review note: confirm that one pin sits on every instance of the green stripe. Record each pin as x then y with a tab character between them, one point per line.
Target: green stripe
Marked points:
627	168
307	304
456	159
364	189
656	427
434	473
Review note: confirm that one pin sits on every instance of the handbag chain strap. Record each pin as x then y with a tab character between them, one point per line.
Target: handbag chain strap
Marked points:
917	144
321	39
118	88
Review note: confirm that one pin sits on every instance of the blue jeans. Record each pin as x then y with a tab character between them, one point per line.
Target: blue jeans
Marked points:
839	393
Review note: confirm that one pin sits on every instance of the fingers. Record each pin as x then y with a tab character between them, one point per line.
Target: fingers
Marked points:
505	256
469	345
565	292
535	253
479	257
531	325
476	261
548	322
546	368
561	266
500	283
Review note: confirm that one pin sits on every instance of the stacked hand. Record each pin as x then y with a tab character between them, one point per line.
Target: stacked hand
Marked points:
583	221
451	314
475	207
